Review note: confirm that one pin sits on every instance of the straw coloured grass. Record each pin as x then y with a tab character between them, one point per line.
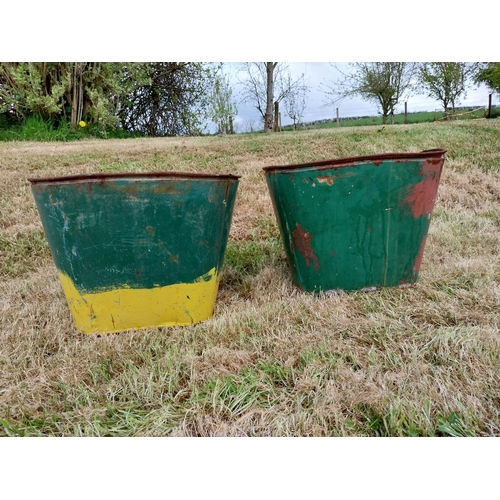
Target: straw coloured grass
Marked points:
273	360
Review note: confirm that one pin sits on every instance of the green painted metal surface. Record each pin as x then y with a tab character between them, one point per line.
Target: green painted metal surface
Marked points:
356	223
136	231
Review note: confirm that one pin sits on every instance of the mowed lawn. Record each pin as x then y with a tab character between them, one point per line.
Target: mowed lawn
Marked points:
273	360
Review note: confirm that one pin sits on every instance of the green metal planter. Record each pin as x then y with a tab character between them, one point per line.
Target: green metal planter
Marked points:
137	250
356	223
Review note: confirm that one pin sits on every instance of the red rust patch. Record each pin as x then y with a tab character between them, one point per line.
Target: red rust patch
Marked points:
326	179
422	195
302	240
330	179
418	260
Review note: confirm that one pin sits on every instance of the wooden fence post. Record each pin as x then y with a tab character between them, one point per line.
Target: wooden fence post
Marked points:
406	113
489	106
338	120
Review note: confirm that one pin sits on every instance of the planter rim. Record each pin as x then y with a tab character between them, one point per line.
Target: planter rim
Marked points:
103	176
348	161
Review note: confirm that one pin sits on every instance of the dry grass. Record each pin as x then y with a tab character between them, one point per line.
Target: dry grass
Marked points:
273	361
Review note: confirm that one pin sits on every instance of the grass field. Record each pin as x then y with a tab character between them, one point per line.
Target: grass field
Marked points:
399	119
273	361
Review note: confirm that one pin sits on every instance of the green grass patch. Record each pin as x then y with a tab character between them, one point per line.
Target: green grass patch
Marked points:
22	253
35	128
244	260
399	119
454	425
231	396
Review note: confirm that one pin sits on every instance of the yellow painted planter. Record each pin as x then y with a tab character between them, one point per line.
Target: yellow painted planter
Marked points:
137	250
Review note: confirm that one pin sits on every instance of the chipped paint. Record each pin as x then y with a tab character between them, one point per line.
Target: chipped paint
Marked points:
420	255
326	179
302	240
330	179
422	196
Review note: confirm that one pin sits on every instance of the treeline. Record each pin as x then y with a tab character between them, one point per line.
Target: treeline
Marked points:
153	98
269	86
181	98
387	84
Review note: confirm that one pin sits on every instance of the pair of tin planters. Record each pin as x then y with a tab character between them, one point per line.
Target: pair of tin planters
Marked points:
145	250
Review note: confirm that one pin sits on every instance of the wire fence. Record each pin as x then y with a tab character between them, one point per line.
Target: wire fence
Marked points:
316	113
350	110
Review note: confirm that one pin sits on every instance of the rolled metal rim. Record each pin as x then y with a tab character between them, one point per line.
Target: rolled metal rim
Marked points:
104	176
348	161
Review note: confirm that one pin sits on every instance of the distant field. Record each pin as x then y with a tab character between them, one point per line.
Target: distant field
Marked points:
399	119
273	360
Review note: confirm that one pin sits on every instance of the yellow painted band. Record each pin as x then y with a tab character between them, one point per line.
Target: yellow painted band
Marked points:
126	308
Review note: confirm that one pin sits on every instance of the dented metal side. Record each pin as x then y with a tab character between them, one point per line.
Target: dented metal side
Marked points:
356	223
137	250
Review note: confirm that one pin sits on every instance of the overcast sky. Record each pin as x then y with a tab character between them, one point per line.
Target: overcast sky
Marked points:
351	31
320	73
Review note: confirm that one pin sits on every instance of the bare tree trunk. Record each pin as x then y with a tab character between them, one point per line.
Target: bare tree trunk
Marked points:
268	117
74	98
446	114
386	110
44	78
80	98
276	115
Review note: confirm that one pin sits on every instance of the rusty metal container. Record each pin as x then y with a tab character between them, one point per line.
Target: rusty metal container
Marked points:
137	250
356	223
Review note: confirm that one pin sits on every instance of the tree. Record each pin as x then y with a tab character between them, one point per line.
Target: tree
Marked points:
385	83
250	125
174	100
222	109
447	81
266	84
150	98
489	74
295	104
89	91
